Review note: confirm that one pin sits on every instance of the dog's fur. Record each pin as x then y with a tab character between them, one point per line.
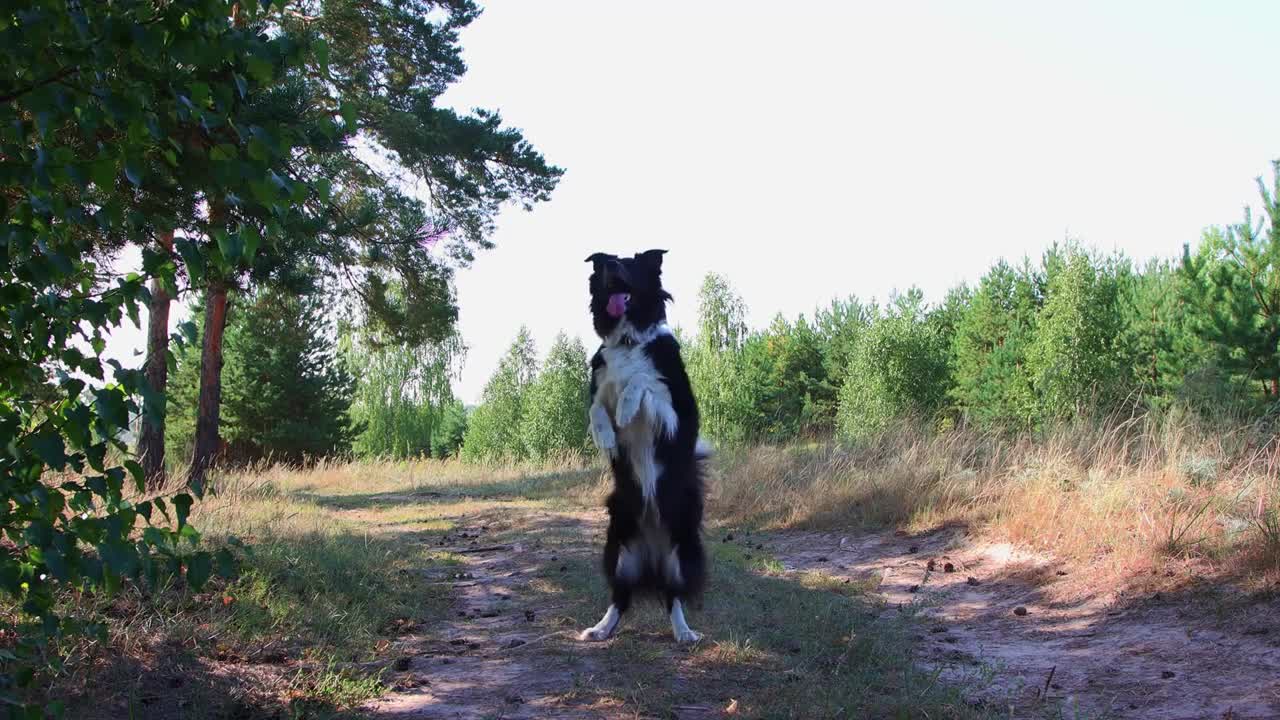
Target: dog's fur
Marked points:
643	414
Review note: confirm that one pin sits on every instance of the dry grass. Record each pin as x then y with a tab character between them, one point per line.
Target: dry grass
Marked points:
339	551
331	573
1118	497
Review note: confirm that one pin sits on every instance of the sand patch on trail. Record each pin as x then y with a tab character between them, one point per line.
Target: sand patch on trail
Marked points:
995	626
491	656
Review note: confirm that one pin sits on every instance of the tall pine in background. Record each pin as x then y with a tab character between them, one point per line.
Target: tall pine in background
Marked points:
286	392
1235	279
992	380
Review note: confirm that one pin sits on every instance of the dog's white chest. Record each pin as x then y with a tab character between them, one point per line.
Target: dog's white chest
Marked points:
633	404
622	365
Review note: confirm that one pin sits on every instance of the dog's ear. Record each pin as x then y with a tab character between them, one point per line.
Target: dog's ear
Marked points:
597	258
653	258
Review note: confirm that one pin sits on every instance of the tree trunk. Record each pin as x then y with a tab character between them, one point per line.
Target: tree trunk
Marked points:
208	410
151	438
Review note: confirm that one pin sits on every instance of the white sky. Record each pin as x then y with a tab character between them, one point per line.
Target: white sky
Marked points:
809	150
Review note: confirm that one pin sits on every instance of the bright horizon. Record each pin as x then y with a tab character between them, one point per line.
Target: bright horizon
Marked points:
851	148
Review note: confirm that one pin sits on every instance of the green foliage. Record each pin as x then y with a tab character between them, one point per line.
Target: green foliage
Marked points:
784	364
722	323
1169	359
382	68
838	328
1075	359
553	417
450	431
404	404
118	121
493	430
286	394
183	389
898	369
1234	280
719	365
992	380
100	102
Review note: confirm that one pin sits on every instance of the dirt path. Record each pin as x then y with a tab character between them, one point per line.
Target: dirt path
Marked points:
1183	657
507	650
491	659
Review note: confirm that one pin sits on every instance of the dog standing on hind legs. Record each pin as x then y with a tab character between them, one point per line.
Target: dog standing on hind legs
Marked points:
644	416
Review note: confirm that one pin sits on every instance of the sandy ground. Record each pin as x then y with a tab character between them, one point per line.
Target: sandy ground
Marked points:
996	621
997	625
492	658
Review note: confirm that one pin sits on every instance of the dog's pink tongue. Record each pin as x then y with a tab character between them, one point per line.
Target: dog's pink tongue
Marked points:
617	304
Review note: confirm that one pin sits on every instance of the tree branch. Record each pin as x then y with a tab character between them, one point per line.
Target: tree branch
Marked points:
64	73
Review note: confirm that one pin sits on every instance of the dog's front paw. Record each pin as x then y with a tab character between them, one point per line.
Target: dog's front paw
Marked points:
601	428
603	437
629	404
688	636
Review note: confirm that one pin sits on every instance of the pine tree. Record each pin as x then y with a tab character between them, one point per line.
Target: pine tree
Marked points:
1167	357
839	327
1235	279
793	395
992	381
450	431
287	393
346	210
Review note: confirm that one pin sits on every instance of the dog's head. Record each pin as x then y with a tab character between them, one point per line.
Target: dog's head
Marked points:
627	293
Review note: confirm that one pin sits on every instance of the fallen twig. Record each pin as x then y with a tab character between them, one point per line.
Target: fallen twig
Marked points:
1044	694
536	640
469	551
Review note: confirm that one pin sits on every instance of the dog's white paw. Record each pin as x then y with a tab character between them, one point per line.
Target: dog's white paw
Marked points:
602	630
629	404
594	635
687	636
679	628
603	437
602	429
666	415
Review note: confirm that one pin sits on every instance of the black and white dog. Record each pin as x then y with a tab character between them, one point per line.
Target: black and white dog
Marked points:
643	414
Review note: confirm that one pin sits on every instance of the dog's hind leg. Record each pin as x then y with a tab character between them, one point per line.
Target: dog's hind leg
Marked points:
684	573
604	629
680	628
